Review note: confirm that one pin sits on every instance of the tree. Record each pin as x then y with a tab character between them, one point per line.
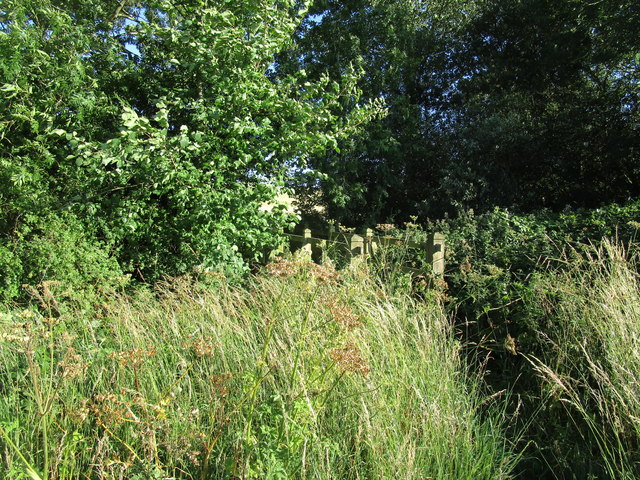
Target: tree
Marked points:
546	107
523	104
156	125
366	178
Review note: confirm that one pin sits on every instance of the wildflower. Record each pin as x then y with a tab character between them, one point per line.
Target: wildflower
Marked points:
15	338
412	224
26	314
385	227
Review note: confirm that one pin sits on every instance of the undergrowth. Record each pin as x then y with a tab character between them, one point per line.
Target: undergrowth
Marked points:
305	372
590	363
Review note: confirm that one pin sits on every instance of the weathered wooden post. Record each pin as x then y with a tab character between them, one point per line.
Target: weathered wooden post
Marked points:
435	253
320	255
331	234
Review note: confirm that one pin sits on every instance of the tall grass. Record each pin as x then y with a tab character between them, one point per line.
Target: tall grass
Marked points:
304	373
592	360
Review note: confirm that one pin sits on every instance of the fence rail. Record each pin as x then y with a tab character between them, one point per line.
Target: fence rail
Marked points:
366	243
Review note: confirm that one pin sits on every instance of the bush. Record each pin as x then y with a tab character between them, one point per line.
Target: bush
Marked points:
60	251
11	266
494	265
491	258
166	154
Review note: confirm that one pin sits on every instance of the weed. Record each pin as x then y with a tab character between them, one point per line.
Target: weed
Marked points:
305	372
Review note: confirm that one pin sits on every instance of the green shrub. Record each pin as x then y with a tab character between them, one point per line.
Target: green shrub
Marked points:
11	268
58	251
167	155
491	257
494	263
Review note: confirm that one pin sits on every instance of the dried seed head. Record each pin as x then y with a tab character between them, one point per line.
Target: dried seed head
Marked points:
325	273
284	267
133	357
193	457
510	345
349	359
202	347
220	384
81	412
72	365
344	315
107	409
385	227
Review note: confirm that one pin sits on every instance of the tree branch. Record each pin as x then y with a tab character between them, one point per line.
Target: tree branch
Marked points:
118	10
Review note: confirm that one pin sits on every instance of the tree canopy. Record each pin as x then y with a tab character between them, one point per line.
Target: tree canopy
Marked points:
154	129
526	104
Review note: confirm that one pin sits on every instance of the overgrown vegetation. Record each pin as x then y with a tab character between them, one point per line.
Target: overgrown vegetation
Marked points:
143	145
303	373
492	257
307	372
525	290
154	131
589	356
527	293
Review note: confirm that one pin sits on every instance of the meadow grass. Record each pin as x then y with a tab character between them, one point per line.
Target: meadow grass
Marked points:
591	359
303	372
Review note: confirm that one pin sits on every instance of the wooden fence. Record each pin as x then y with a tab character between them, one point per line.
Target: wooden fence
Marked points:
353	245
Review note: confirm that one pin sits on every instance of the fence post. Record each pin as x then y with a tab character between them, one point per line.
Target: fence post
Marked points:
356	245
331	232
435	252
368	241
307	245
324	245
